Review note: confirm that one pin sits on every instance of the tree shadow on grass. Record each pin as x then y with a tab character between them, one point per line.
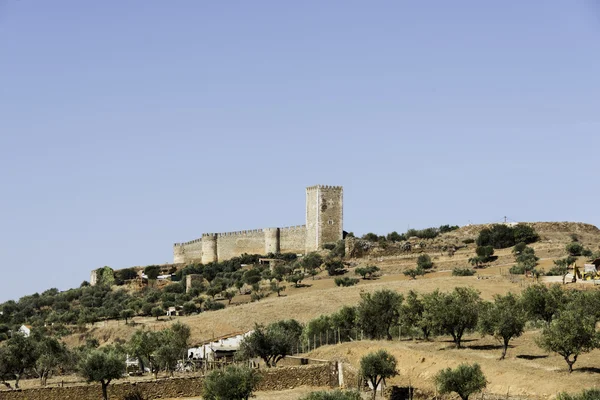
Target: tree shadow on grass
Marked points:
593	370
530	357
302	285
462	341
486	347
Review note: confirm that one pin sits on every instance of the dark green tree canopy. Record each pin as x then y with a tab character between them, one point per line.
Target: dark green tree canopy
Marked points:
102	365
375	367
464	380
233	383
378	312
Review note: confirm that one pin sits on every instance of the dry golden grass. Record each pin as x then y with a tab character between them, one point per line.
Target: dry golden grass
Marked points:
527	370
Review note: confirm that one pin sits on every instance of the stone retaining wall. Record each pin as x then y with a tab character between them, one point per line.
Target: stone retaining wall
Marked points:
273	379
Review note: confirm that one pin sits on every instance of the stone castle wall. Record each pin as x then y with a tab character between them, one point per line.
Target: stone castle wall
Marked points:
224	246
324	219
293	239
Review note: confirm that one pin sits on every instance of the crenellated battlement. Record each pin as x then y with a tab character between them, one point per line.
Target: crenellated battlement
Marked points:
323	224
240	233
326	187
293	228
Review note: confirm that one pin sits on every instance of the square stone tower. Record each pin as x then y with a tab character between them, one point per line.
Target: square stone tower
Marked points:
324	215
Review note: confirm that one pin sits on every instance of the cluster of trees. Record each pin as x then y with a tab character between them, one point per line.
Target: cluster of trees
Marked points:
569	318
219	281
427	233
43	355
501	236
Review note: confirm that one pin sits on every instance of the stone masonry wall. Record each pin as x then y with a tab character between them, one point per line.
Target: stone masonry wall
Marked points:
233	244
293	239
187	252
273	379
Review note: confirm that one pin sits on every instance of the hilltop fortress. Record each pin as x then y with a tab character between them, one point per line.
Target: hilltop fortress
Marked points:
324	224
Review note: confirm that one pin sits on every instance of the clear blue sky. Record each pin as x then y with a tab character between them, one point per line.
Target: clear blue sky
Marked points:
127	126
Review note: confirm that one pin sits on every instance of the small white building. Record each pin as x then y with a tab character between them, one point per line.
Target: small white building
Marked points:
25	330
218	348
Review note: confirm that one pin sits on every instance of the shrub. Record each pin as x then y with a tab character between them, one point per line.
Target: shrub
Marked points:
369	271
135	395
371	237
212	305
335	395
517	270
395	237
525	234
424	261
468	241
448	228
485	252
189	308
152	272
574	248
329	246
414	272
233	383
346	281
463	272
499	236
334	267
591	394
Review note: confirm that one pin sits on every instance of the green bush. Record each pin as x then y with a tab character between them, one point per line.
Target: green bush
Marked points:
517	270
468	241
464	380
525	234
211	305
346	281
574	248
334	395
501	236
395	237
591	394
463	272
424	262
486	252
334	267
233	383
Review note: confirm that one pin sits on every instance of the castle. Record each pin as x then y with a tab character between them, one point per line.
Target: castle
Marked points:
324	224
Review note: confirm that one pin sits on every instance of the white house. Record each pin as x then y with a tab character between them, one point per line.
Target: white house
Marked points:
25	330
222	347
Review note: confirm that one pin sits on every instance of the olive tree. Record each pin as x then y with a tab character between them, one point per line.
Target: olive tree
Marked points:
233	383
102	365
378	312
570	334
464	380
504	319
18	356
453	313
271	343
376	367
